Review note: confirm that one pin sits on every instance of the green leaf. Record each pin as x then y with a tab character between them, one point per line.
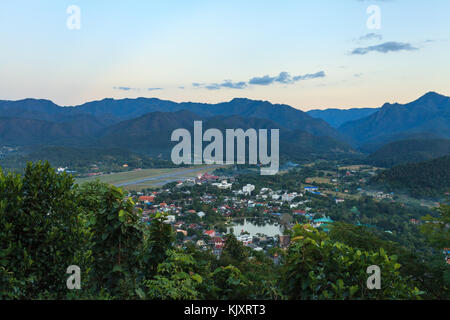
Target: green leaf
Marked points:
140	293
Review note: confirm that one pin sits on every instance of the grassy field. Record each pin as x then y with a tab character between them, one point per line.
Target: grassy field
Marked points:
148	178
120	177
359	167
342	195
321	180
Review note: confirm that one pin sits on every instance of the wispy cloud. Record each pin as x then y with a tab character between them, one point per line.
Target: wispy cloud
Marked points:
371	36
284	78
124	88
385	48
217	86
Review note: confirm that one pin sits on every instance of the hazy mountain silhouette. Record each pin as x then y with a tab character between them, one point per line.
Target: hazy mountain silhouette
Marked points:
337	117
430	114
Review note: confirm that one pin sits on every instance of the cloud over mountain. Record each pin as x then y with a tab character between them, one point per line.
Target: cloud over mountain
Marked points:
282	78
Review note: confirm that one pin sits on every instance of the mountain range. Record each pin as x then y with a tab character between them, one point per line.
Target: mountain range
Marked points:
135	125
428	116
337	117
145	124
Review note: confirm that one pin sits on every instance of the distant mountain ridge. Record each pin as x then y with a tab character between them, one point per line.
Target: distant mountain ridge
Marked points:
152	133
145	123
430	114
114	111
337	117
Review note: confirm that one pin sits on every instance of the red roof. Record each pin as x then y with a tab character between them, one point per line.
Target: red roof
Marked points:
147	198
207	176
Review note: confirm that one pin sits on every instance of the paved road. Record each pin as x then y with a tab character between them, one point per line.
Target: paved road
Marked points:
178	174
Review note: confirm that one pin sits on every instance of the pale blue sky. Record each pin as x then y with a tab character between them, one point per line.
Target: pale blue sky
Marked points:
166	45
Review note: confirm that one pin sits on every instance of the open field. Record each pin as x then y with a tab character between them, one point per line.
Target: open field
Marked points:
148	178
359	167
342	195
320	180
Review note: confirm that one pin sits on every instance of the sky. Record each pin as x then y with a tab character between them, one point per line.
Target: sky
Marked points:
308	54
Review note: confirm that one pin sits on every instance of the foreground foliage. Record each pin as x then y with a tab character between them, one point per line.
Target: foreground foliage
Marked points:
48	223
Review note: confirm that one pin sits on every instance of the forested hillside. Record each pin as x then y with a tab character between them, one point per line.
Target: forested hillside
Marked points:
429	178
406	151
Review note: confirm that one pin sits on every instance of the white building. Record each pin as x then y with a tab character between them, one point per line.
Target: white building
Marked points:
201	214
170	219
223	185
288	197
248	189
245	239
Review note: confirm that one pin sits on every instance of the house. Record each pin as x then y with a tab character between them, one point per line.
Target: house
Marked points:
248	189
218	242
210	233
223	185
200	243
147	199
321	222
170	219
245	239
288	197
217	251
276	214
201	214
207	177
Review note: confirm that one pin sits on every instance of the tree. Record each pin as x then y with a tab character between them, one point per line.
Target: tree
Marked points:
174	279
437	229
230	284
234	252
159	239
318	268
40	232
117	239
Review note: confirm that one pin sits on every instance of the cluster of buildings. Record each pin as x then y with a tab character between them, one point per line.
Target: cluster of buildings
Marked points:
191	224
